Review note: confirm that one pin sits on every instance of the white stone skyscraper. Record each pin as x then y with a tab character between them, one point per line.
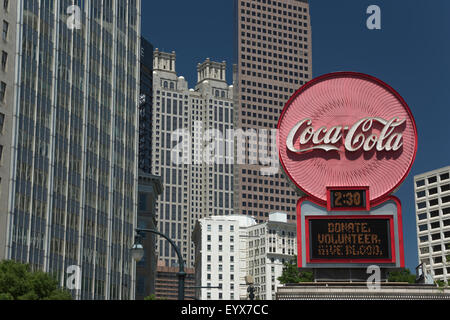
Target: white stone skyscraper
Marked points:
186	122
432	194
69	83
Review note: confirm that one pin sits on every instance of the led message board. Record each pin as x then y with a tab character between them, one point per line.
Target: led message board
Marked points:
349	238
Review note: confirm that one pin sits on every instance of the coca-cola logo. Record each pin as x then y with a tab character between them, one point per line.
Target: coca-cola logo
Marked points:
346	129
326	138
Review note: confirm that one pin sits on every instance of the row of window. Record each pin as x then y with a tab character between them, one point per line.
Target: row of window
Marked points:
209	238
433	191
220	228
434	225
435	248
434	237
433	202
251	4
433	179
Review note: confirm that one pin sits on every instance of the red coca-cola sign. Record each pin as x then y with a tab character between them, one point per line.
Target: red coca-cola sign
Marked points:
347	129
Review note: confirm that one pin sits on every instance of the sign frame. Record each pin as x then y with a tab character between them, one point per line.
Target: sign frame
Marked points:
378	211
391	236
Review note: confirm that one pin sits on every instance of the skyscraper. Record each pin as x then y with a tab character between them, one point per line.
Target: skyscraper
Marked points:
70	140
432	194
146	106
273	56
186	121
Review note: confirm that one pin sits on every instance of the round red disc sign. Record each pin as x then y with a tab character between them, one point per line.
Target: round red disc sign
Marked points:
347	129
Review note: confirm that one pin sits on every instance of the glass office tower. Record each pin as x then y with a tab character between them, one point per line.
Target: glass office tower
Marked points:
72	176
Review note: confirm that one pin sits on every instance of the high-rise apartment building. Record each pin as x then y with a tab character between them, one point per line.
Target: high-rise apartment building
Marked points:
70	140
270	245
221	256
229	248
432	194
273	57
188	151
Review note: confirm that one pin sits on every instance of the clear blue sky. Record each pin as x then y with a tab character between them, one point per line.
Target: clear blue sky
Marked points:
411	53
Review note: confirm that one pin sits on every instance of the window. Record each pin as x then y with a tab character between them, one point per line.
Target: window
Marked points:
438	260
434	202
435	225
2	91
421	205
1	152
2	121
4	60
435	236
5	30
420	183
439	272
5	5
432	180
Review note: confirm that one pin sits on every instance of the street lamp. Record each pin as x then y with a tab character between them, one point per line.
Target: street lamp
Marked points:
137	252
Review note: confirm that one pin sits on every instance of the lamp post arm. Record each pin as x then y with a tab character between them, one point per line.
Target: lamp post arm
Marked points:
177	250
181	272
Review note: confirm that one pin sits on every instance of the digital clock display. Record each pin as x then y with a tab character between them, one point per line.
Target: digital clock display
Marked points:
341	199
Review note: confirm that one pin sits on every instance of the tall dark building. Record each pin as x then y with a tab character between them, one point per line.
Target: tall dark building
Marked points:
150	186
145	107
273	57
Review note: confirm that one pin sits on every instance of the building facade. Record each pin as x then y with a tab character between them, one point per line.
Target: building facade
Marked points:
274	59
188	152
146	107
432	195
150	187
221	257
69	178
270	245
167	283
229	248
